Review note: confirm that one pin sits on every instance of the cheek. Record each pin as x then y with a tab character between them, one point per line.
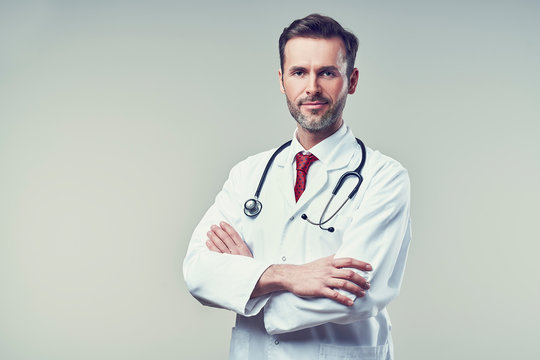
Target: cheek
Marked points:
338	90
293	90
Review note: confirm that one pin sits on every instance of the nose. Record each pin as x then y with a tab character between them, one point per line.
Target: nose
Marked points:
313	87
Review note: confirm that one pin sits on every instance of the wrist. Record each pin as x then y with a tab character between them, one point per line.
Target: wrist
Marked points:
274	278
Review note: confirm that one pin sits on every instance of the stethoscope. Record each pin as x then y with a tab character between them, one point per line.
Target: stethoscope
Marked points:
253	207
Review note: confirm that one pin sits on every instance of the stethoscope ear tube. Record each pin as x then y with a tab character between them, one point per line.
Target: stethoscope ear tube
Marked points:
330	229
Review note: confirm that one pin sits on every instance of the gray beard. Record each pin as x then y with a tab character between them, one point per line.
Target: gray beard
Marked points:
327	120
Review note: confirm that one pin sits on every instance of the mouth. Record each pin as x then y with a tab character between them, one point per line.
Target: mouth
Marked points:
313	105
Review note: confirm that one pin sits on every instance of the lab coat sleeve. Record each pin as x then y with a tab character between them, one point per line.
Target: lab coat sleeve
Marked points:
223	280
379	233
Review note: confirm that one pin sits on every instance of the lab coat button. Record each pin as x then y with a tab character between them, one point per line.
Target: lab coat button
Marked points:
284	259
276	342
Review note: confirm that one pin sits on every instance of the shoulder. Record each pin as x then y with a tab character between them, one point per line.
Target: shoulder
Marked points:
377	165
386	173
253	161
250	169
380	162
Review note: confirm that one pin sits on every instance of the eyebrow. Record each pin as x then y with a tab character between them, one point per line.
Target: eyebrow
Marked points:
328	68
293	69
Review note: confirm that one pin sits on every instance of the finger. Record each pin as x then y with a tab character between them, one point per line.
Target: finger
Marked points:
336	296
225	238
352	263
217	242
345	285
241	246
353	277
232	233
210	245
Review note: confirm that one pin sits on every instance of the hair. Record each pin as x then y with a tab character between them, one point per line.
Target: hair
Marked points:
318	26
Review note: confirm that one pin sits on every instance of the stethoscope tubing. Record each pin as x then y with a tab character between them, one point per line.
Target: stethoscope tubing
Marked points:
252	207
268	165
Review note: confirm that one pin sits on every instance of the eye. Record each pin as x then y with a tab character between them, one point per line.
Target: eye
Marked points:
328	73
298	73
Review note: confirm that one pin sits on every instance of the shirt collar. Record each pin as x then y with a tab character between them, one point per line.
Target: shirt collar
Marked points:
325	151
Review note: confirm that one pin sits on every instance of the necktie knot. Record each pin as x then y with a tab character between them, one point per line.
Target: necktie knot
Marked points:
303	162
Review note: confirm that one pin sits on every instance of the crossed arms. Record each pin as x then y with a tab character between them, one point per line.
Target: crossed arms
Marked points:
221	271
319	278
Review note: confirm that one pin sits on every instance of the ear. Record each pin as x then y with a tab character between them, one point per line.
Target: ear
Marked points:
281	87
353	81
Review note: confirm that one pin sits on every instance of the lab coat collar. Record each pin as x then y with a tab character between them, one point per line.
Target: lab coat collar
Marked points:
334	152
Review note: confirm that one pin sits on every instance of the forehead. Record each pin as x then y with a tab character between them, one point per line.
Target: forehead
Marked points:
312	51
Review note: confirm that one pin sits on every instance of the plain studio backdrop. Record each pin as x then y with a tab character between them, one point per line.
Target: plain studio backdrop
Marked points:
119	122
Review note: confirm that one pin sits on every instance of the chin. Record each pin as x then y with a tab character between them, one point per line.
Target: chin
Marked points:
314	126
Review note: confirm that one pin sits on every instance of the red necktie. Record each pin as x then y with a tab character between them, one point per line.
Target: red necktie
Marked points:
303	162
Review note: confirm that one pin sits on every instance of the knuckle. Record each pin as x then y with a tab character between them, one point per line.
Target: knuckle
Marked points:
347	262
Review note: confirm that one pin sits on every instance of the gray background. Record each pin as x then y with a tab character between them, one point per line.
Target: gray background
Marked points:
119	121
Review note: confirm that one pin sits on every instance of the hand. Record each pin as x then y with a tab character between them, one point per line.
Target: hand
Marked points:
319	278
225	240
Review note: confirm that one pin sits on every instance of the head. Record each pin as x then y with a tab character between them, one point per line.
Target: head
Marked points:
317	26
317	72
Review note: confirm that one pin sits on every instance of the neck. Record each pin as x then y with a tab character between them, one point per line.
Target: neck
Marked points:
309	139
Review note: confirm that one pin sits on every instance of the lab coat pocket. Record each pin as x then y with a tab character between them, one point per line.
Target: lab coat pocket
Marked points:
336	352
330	241
239	344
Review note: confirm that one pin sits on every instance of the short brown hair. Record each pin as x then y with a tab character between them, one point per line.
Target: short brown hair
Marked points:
319	27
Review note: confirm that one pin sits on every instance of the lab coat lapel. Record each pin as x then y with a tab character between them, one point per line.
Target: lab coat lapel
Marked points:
287	178
338	159
313	188
286	181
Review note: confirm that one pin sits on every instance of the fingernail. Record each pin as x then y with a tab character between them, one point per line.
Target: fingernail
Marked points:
362	294
368	285
368	267
350	302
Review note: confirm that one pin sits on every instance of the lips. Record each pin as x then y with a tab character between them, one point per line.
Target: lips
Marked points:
314	103
311	103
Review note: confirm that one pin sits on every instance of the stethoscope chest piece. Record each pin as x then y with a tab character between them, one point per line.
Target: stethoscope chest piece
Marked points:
252	207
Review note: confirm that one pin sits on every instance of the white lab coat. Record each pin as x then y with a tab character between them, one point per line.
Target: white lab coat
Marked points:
374	227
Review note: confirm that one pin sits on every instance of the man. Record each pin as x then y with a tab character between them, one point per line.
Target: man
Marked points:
305	291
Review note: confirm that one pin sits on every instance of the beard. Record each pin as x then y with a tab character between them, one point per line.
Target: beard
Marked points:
315	121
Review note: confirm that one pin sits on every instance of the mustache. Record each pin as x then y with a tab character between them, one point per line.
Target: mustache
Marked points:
317	98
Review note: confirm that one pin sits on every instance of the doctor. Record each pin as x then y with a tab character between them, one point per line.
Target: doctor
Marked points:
300	291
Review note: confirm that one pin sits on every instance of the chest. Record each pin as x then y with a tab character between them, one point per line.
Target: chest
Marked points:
279	234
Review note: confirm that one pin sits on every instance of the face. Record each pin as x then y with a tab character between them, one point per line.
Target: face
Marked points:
315	82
